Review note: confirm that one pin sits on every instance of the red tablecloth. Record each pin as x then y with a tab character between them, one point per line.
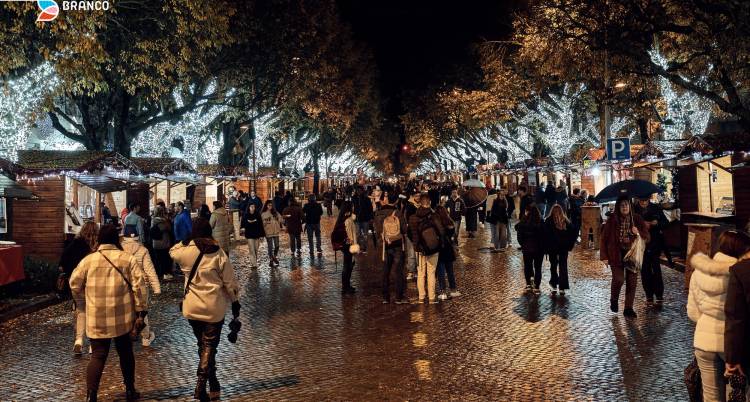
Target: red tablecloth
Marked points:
11	264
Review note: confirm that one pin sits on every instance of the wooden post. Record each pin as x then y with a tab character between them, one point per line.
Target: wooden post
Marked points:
169	193
75	192
97	208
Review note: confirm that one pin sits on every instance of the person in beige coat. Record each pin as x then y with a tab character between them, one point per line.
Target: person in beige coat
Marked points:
221	226
209	292
133	246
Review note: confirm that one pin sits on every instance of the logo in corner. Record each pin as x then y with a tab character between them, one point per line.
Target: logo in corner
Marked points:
49	10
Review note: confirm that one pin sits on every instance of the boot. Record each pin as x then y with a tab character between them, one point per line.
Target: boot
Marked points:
214	389
91	395
203	372
200	390
132	395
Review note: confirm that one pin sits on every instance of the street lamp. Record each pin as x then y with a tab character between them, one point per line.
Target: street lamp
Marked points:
246	128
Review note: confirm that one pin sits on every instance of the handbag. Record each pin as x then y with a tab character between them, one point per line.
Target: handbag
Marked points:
62	285
693	381
190	277
738	382
635	254
354	248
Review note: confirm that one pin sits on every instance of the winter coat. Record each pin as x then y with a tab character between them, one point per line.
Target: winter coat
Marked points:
447	253
574	209
550	194
350	224
471	219
379	218
651	213
76	251
183	225
166	234
511	205
214	285
497	213
134	221
456	207
737	311
415	221
708	293
253	225
234	203
221	227
293	216
271	224
132	246
363	208
278	203
556	240
526	200
610	249
312	211
531	237
561	197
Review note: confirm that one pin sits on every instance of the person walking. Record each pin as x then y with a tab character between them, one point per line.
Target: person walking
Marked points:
390	227
550	198
706	298
81	246
498	220
312	212
446	258
737	322
272	228
252	223
471	220
328	198
363	210
133	222
114	289
293	219
525	200
618	235
204	212
221	226
530	233
347	221
457	208
510	200
133	246
183	225
210	287
161	241
575	203
560	237
428	235
254	199
651	278
408	208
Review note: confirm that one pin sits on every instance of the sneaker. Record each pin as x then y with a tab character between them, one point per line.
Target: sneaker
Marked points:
629	312
433	301
409	276
402	301
443	296
562	292
553	289
528	288
537	291
649	302
77	349
147	341
455	293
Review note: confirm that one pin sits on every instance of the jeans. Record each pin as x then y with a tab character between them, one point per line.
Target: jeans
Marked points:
559	278
411	257
99	352
532	267
508	230
394	262
711	365
208	335
653	283
346	274
295	242
443	268
494	234
426	267
499	233
362	230
457	230
79	316
630	279
252	247
313	229
273	246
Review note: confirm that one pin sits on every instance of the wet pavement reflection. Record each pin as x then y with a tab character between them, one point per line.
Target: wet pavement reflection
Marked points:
302	340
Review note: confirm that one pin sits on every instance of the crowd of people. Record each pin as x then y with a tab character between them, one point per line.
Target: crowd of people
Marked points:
413	229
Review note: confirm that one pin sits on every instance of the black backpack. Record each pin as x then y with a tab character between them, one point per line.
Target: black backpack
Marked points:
430	240
155	233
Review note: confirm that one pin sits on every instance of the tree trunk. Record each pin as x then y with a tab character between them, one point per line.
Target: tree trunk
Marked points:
643	130
228	130
316	171
275	159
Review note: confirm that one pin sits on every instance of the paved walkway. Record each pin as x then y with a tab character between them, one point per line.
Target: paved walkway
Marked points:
301	340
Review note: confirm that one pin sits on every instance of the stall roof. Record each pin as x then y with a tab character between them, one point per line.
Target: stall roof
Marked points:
41	162
221	170
715	144
101	183
10	189
162	166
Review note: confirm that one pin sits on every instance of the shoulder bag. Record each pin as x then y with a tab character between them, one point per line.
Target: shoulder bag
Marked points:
190	277
134	331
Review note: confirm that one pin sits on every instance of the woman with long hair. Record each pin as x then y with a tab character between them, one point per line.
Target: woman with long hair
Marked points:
530	235
204	212
347	219
81	246
208	292
161	241
706	301
619	232
560	237
253	225
272	226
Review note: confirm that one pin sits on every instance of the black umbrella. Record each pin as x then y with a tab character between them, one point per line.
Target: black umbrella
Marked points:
631	188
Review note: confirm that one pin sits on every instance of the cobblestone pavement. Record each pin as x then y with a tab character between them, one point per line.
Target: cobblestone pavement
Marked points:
301	340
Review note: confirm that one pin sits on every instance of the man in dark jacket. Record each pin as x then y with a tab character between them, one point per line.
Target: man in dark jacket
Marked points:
651	277
737	323
254	199
312	212
363	211
426	264
393	251
457	208
293	216
525	201
511	208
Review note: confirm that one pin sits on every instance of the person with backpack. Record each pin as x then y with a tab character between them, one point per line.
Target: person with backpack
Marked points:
446	257
390	227
457	208
252	223
344	239
428	235
530	233
560	237
272	228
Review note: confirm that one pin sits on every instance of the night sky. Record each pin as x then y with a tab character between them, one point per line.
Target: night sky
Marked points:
418	44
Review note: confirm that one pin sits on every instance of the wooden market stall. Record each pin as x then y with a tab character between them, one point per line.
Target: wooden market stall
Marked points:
11	254
70	186
169	180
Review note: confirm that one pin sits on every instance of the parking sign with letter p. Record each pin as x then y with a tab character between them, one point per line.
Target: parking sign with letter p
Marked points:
618	149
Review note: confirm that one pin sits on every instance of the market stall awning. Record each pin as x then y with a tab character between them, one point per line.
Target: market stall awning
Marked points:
162	166
101	183
35	162
11	189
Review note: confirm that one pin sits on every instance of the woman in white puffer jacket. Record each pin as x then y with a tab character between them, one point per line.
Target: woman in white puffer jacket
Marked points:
708	292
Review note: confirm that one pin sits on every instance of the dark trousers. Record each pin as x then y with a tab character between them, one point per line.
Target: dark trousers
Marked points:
622	276
653	283
295	242
208	335
443	268
99	352
313	230
559	260
532	267
457	223
394	262
346	274
162	262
